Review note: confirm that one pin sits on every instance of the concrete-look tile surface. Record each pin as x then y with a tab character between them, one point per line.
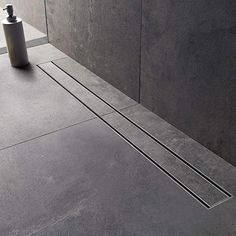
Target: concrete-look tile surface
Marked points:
33	36
187	78
102	35
86	180
194	153
63	171
32	104
98	86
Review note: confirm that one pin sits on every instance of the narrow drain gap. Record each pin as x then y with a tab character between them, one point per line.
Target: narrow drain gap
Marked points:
151	136
189	191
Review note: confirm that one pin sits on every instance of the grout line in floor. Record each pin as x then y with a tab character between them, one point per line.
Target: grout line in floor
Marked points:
45	134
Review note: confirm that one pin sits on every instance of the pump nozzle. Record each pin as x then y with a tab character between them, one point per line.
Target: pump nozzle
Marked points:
10	12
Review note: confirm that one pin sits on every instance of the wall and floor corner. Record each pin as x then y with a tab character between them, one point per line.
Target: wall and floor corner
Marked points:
177	58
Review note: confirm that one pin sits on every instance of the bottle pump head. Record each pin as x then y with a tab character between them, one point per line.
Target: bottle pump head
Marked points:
10	12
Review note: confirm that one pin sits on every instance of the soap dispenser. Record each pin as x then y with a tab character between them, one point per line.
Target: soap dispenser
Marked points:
15	39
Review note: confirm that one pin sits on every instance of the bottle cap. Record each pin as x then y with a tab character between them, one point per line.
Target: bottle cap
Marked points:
10	12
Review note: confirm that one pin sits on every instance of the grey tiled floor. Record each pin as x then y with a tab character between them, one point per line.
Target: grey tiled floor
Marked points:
32	105
78	157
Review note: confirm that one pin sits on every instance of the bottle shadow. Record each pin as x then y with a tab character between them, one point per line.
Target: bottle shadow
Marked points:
27	72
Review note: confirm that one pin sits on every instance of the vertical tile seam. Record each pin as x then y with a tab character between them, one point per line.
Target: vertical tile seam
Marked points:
46	18
140	50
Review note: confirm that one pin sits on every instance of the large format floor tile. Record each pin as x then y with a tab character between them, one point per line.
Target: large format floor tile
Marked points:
32	104
86	180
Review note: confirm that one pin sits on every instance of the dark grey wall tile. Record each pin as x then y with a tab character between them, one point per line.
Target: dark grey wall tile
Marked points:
32	12
189	68
102	35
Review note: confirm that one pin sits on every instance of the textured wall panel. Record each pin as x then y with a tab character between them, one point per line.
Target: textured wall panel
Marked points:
102	35
189	68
